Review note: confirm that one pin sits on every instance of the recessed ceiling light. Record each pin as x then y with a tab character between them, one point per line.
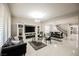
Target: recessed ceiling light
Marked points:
37	15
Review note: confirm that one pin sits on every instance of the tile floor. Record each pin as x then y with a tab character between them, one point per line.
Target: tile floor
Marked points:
54	49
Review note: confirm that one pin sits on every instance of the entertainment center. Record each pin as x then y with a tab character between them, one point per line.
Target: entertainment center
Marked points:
26	31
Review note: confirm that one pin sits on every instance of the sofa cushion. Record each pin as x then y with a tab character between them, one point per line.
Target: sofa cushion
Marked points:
15	41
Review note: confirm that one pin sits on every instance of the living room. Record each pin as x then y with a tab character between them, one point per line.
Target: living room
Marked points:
43	29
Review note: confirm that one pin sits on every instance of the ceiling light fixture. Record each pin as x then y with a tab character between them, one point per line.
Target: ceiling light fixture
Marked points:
37	15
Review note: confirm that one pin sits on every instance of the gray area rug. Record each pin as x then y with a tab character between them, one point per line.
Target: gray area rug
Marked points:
37	45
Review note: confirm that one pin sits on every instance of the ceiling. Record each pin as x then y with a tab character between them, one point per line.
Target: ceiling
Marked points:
50	10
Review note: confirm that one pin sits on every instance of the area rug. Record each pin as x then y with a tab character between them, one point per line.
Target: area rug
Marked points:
37	45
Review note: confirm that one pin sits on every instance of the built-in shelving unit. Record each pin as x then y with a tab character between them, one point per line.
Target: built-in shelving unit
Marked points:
21	34
20	31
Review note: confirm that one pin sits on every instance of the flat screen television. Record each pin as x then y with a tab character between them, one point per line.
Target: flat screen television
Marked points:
29	28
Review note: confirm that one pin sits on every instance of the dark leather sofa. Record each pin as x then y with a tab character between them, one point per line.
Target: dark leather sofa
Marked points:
14	50
57	35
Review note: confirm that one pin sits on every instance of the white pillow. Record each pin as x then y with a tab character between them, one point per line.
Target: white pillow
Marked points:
15	41
16	38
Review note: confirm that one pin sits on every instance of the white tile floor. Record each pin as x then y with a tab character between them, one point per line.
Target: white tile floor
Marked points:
53	49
